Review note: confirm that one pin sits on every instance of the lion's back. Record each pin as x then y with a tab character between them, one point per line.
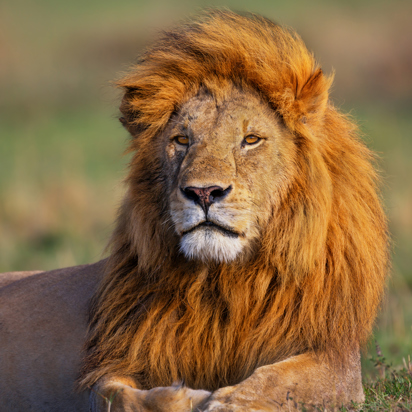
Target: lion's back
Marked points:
43	322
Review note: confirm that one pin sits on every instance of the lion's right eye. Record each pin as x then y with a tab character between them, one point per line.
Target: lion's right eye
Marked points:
251	139
183	140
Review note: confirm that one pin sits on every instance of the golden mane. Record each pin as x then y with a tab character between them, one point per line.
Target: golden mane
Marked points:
318	277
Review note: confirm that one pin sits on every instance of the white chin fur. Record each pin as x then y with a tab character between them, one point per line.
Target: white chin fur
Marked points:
210	245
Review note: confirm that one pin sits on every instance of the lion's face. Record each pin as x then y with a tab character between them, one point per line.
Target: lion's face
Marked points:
226	165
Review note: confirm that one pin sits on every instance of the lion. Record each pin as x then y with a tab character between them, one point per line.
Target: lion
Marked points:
250	252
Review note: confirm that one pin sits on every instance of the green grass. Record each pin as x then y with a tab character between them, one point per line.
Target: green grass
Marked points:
391	389
393	392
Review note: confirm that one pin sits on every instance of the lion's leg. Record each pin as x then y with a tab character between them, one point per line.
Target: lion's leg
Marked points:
123	395
287	384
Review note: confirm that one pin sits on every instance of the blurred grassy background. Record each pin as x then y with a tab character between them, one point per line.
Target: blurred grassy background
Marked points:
61	146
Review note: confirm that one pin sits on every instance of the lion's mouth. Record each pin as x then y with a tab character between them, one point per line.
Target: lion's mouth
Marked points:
213	226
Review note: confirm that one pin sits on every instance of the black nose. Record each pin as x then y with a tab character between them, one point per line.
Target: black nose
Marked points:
205	196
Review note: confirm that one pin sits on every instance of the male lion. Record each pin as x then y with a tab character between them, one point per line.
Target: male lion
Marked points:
250	252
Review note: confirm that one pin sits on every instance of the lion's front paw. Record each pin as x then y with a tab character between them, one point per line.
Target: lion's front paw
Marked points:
237	406
174	398
241	406
122	398
231	400
217	406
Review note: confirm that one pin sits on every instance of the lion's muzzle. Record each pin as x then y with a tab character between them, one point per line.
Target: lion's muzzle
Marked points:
205	196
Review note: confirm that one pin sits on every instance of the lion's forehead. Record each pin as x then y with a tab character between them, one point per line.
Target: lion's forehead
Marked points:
240	112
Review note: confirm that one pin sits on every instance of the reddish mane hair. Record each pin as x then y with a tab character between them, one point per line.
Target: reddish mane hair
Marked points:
318	277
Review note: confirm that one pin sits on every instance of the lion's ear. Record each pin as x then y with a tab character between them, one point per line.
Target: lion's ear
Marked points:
123	121
131	126
305	100
312	98
129	118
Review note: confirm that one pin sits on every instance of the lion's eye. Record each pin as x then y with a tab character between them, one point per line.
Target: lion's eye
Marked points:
251	139
183	140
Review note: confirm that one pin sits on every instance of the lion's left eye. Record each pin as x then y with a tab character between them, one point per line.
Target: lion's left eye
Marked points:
251	139
182	140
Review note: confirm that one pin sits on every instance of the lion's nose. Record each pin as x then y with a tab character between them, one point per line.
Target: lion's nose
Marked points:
205	196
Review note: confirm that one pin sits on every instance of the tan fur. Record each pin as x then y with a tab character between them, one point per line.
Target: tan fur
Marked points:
281	321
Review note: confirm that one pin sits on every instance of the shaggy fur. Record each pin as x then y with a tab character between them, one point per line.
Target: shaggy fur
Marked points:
318	275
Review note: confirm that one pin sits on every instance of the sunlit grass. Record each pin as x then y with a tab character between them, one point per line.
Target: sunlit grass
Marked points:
391	389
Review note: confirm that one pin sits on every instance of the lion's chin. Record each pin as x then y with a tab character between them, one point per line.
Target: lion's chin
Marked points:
209	245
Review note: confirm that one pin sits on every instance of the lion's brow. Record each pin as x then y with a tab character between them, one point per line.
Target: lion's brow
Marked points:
178	123
245	125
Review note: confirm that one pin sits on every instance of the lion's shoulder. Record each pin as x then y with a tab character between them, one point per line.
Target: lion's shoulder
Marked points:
43	316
